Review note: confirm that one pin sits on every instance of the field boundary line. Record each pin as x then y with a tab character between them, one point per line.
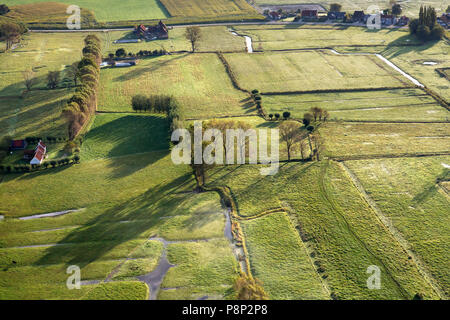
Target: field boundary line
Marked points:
335	207
388	156
280	93
387	222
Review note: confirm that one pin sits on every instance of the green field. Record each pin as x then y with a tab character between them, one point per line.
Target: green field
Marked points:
386	105
406	192
199	8
385	138
114	135
215	38
330	216
311	70
115	10
321	36
199	82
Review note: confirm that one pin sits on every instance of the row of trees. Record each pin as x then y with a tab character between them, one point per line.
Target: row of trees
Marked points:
426	28
160	104
47	164
122	53
84	102
309	143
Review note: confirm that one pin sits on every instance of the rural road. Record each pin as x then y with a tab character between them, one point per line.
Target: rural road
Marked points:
219	24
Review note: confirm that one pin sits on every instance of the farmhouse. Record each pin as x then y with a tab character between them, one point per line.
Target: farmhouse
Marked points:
388	19
444	20
274	15
358	16
334	15
37	155
309	14
160	31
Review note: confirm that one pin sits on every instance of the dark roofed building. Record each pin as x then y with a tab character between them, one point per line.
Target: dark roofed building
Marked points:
309	13
334	15
358	16
159	31
18	145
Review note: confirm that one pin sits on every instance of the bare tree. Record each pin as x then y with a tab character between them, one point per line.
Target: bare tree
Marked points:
318	142
303	147
73	72
29	78
290	133
193	34
53	79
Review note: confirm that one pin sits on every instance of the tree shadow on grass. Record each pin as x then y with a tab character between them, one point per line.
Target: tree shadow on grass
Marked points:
138	71
397	47
105	232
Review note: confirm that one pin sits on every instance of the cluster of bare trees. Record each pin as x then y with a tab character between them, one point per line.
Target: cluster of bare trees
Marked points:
315	114
242	145
309	143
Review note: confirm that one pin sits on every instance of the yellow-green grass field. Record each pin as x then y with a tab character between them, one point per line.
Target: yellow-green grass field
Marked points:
47	13
112	11
112	239
410	7
311	70
42	52
296	279
38	114
321	36
342	234
113	135
384	138
195	8
214	38
405	190
387	105
412	60
202	269
198	81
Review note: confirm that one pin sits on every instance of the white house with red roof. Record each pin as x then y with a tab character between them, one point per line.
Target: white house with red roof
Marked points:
39	153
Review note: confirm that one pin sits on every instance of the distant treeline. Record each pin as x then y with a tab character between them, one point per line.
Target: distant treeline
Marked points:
84	102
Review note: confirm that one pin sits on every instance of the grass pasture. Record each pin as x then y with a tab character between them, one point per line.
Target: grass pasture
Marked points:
310	70
214	38
406	192
114	11
198	81
330	216
114	240
201	8
114	135
268	240
321	36
386	105
384	138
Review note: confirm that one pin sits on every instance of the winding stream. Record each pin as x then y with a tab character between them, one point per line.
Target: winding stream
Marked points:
248	41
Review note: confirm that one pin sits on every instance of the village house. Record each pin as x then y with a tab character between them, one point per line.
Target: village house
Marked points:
309	14
159	31
358	16
37	155
444	20
334	15
388	19
402	21
274	15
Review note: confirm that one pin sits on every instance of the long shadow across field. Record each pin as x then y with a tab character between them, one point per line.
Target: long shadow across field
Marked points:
105	231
